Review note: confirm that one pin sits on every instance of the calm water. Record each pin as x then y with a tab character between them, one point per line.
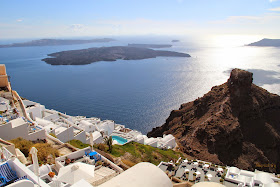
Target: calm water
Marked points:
137	93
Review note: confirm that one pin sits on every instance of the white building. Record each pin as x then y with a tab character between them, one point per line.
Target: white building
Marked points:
97	138
140	139
87	126
4	104
152	142
249	178
106	126
168	141
34	109
21	171
20	128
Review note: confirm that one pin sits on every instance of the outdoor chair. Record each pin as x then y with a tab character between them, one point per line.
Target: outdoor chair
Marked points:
87	152
93	155
7	173
2	181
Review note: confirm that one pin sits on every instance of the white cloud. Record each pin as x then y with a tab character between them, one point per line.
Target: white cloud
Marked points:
266	24
76	27
272	0
275	9
19	20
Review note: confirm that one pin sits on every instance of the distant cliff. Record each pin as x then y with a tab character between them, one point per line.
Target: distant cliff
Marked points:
236	123
266	43
51	42
87	56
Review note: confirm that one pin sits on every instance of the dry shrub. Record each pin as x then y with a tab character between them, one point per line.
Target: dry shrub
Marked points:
23	145
128	163
101	147
44	151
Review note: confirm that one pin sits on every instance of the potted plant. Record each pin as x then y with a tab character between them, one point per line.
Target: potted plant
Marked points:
194	176
187	175
51	174
67	161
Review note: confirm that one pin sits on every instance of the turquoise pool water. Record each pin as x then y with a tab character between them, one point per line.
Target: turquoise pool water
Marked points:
120	140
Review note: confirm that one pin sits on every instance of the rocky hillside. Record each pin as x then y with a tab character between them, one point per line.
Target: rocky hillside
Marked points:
236	123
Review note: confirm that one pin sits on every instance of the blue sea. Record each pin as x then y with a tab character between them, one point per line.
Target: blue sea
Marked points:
139	94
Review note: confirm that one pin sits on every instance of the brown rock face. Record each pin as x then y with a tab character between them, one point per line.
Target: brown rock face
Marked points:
236	123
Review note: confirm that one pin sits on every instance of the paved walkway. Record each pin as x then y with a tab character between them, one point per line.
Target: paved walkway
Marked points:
192	169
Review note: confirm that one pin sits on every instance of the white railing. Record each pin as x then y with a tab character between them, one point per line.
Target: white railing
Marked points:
7	154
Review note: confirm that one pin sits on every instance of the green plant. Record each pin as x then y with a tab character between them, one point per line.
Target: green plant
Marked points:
221	180
141	153
52	134
98	163
78	144
109	142
194	174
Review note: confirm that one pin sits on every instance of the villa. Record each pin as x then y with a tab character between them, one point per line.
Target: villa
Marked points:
21	128
249	178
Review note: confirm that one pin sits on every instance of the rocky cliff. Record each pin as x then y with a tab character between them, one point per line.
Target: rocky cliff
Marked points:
236	123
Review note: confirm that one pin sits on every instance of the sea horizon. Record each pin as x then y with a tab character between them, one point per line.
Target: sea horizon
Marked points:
139	94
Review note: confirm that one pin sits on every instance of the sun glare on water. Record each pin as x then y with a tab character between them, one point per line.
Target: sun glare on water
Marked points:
230	51
233	40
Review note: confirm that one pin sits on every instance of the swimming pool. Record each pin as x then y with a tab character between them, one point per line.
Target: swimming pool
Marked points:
120	140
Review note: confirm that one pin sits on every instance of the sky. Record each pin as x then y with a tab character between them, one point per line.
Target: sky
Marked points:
75	18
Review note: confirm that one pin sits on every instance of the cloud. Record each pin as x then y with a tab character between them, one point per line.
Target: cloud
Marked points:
269	18
272	0
77	26
19	20
275	9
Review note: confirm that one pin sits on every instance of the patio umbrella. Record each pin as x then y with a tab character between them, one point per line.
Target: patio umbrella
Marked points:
197	173
187	170
209	175
195	164
91	140
75	172
206	166
33	153
220	169
185	160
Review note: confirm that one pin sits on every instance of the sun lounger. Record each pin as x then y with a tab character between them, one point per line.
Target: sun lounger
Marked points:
7	173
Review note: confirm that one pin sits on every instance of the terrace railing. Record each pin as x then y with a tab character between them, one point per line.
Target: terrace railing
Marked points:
7	154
